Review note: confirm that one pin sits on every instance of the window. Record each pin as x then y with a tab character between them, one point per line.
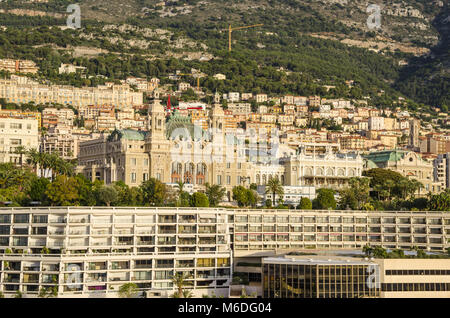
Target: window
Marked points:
21	218
133	177
228	179
205	262
133	161
16	142
145	162
15	126
145	176
219	179
222	262
163	275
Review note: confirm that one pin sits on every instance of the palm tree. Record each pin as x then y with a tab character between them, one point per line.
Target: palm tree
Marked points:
180	187
33	158
389	184
274	186
179	280
20	150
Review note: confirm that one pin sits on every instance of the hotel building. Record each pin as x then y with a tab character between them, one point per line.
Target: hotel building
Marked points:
91	252
265	230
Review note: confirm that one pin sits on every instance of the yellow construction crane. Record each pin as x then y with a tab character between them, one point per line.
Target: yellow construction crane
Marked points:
230	29
193	75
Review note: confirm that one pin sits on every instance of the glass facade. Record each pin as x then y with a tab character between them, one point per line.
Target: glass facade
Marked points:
317	281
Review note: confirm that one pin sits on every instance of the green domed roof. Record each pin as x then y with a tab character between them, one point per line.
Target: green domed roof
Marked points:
180	123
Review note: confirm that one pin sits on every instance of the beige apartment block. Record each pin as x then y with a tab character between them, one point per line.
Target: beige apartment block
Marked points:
414	278
18	66
120	96
59	139
54	116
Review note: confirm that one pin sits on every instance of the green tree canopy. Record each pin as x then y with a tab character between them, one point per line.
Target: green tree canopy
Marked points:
305	204
199	200
63	191
154	192
325	199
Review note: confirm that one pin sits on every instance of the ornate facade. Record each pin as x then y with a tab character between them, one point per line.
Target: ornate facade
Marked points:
177	150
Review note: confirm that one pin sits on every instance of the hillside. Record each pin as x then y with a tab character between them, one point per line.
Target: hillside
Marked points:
302	46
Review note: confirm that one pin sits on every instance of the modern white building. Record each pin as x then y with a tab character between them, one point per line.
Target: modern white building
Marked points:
291	196
91	252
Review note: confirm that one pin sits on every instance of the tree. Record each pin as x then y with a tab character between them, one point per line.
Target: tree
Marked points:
199	200
154	192
215	194
325	199
240	195
86	192
180	281
128	290
63	191
305	204
368	250
356	195
18	294
124	196
107	195
274	187
38	188
379	252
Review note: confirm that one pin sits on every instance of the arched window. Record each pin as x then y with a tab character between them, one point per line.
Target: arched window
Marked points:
308	172
351	173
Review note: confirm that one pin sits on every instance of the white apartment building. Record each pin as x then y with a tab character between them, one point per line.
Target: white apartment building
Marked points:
140	83
285	230
94	251
291	196
15	132
69	68
233	97
240	108
376	123
261	98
